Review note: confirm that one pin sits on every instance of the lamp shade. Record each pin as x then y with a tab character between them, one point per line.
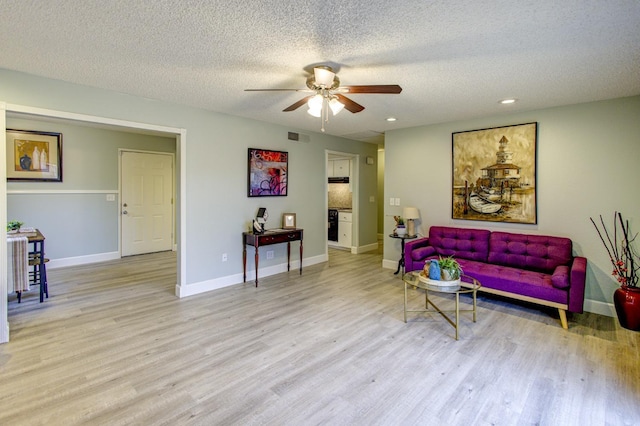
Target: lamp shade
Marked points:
315	102
410	213
335	105
324	76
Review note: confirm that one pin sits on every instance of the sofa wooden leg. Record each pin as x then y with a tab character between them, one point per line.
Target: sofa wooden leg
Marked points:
563	318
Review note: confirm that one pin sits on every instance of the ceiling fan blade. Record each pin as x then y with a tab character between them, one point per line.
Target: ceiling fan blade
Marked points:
297	104
379	88
277	90
349	104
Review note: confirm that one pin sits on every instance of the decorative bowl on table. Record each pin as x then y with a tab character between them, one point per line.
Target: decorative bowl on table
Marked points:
444	284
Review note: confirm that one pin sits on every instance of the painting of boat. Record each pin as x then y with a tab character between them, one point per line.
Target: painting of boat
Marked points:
491	194
483	205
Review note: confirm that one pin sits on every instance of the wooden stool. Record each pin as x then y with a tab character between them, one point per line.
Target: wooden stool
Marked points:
38	275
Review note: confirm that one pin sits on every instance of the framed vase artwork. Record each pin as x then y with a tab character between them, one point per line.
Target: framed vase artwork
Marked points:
268	173
34	156
494	174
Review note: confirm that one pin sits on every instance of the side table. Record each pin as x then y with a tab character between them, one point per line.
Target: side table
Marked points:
402	238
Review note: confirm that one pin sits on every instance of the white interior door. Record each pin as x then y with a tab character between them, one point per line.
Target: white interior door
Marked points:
146	202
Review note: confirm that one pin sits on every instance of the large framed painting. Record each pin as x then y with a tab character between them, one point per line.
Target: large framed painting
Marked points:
494	174
34	156
268	173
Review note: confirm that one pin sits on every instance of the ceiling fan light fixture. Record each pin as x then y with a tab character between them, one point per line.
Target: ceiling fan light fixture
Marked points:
324	76
315	102
335	105
316	112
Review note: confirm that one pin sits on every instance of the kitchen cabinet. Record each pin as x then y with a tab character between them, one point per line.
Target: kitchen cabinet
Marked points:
344	229
338	168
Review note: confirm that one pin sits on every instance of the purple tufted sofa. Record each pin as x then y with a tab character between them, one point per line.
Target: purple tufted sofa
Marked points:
533	268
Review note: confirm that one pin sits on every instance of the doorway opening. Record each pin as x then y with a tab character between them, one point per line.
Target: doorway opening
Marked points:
342	177
20	111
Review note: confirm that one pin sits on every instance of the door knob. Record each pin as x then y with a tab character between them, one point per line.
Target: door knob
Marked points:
124	212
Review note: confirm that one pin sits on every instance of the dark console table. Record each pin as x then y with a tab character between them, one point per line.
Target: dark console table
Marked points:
273	236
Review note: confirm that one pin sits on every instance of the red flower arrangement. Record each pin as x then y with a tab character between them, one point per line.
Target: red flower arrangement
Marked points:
622	253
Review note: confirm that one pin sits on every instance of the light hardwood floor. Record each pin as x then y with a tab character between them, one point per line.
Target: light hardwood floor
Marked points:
113	345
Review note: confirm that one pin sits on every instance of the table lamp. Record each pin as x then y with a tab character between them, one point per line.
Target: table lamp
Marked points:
409	214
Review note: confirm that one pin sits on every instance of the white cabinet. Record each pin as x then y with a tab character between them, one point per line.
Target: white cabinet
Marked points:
338	168
344	229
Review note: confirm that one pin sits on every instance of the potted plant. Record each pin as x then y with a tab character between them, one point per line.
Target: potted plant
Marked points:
619	243
14	225
400	227
449	268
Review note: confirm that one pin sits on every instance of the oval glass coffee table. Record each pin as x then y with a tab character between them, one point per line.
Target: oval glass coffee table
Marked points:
467	285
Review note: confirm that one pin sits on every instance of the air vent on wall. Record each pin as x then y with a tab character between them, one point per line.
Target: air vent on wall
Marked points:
293	136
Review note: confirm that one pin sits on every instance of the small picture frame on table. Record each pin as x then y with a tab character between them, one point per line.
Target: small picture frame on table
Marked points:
288	220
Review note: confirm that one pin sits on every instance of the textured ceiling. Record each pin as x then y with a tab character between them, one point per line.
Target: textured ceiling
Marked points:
453	59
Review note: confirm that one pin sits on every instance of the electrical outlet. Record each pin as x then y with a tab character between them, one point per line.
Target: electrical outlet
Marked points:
224	257
372	199
111	197
270	254
397	201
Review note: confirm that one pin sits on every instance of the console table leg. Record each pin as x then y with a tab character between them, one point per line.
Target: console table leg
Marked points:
300	256
256	260
244	263
288	256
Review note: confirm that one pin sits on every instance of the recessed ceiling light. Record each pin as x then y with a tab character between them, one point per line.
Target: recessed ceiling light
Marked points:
391	119
507	101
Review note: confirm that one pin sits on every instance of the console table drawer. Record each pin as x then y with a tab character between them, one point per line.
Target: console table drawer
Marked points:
279	238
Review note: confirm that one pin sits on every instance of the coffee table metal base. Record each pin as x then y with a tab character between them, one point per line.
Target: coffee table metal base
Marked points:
469	285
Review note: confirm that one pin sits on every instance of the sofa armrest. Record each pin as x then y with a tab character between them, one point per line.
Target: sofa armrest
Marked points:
578	280
409	247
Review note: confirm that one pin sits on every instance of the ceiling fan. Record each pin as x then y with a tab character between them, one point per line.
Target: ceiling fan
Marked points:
328	95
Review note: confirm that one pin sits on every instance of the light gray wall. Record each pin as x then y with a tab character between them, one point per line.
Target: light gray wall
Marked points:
381	197
81	222
587	165
218	209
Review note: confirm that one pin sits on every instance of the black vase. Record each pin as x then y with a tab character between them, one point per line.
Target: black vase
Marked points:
25	162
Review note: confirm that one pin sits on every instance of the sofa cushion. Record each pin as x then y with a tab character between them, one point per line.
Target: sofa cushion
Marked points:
533	284
560	277
422	252
532	252
462	243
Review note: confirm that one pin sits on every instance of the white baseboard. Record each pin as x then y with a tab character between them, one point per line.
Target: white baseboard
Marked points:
82	260
389	264
602	308
217	283
364	249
